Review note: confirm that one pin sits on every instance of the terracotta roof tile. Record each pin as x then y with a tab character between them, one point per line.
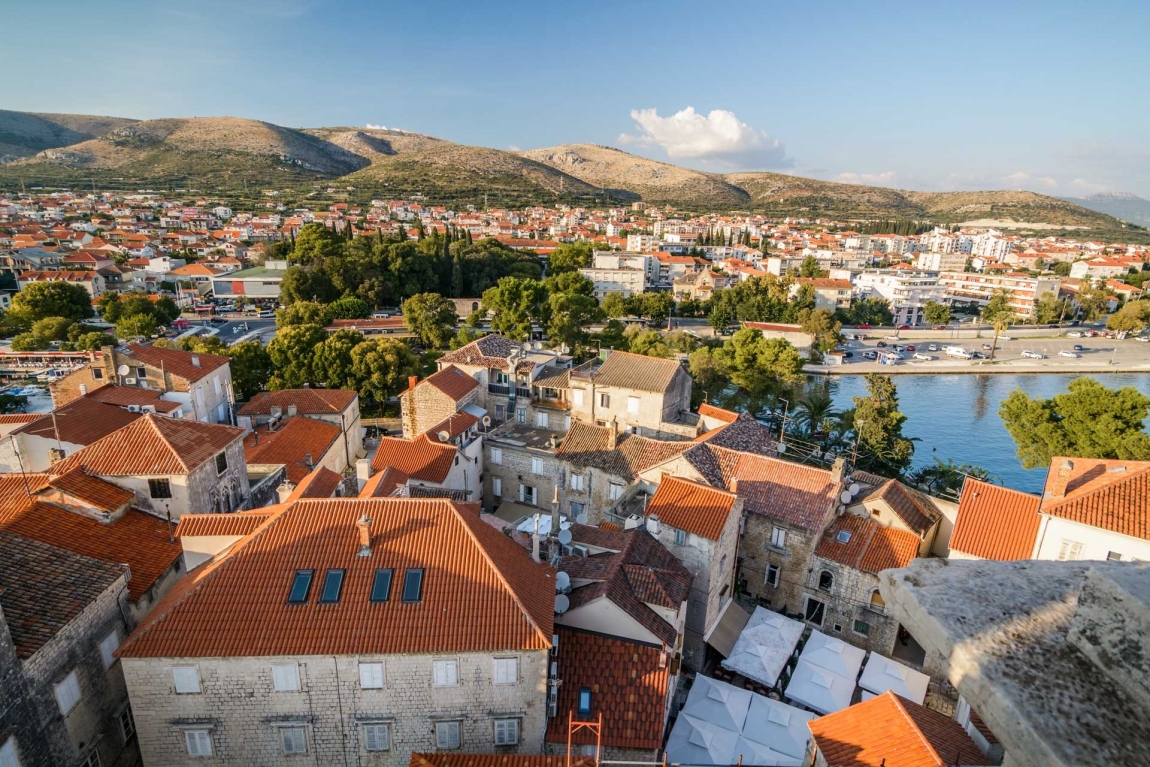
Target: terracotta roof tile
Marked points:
628	683
790	492
383	483
912	507
195	525
490	352
587	445
422	458
293	440
451	381
697	508
153	445
889	731
995	522
92	490
870	547
43	588
454	425
448	759
82	421
322	482
177	362
121	396
306	401
236	605
1109	494
710	411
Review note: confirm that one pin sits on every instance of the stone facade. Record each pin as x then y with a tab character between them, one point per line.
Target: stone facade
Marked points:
851	605
208	399
240	709
28	709
423	407
514	466
792	560
651	414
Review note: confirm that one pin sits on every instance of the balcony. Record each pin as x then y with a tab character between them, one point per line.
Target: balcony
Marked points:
503	389
523	391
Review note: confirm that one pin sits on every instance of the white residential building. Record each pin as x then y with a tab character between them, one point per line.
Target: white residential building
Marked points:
907	290
977	288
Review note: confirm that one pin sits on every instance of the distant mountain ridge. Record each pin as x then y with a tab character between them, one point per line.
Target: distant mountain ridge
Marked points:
1123	205
231	153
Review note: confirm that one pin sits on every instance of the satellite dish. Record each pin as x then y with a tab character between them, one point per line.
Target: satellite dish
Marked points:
581	519
782	448
561	603
565	537
854	488
562	581
845	497
123	370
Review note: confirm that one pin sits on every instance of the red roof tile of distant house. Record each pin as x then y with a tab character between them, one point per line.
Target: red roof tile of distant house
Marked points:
291	443
691	506
995	522
187	365
1111	494
421	458
306	401
82	421
718	413
152	445
451	381
864	544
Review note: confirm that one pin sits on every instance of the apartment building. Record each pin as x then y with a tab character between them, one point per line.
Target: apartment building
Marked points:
907	290
625	280
93	282
648	395
335	406
935	261
977	288
830	294
403	625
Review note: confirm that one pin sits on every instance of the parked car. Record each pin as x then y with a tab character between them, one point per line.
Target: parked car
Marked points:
1143	339
932	347
1074	334
939	327
1072	355
1033	355
864	327
986	346
848	355
266	314
910	347
1005	338
904	327
870	355
899	348
892	338
977	356
881	344
923	357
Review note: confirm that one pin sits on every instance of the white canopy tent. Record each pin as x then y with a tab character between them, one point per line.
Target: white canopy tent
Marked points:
819	689
834	655
882	674
697	741
756	753
718	703
778	726
762	650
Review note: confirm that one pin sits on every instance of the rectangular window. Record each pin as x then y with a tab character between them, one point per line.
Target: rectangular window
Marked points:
216	382
413	585
506	671
577	396
576	509
536	465
371	676
633	405
376	737
381	586
773	576
447	735
1113	556
862	628
293	740
604	400
221	463
97	374
1069	551
446	673
527	494
332	586
108	646
92	760
576	481
506	732
680	537
778	537
186	679
497	487
127	725
141	372
615	492
521	415
300	587
159	488
285	677
199	742
68	693
584	701
541	420
497	456
814	611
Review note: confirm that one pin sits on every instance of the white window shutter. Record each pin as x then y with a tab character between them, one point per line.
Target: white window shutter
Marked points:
68	693
186	679
376	737
497	487
371	676
506	732
108	646
521	492
447	735
537	465
199	742
285	677
578	396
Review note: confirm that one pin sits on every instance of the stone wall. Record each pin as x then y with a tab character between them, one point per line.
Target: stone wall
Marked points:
850	591
793	560
425	406
515	470
68	388
242	710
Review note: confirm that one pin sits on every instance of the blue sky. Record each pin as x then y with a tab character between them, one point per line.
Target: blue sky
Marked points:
1048	96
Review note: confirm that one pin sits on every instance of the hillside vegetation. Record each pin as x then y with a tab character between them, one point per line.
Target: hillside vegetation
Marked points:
230	154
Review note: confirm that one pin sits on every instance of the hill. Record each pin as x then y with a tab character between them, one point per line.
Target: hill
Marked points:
1123	205
23	134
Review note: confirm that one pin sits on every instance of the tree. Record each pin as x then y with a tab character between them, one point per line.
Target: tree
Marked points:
302	313
28	342
49	299
825	332
655	307
571	283
648	343
292	353
332	365
432	319
936	313
570	314
204	345
814	409
1048	310
708	371
874	311
348	308
882	448
251	367
570	257
1088	421
810	268
1131	318
53	328
999	313
613	305
760	367
136	326
465	336
516	303
613	336
314	244
722	315
947	477
1061	268
302	284
681	341
380	368
93	341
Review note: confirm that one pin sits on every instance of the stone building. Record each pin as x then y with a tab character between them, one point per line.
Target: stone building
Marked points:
436	398
890	503
404	625
202	383
37	445
62	694
448	458
299	444
647	395
699	524
335	406
172	467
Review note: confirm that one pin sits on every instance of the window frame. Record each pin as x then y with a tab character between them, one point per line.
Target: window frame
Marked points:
497	487
176	680
633	405
614	491
126	715
506	721
407	582
221	456
458	735
449	679
537	466
577	397
829	576
310	575
495	672
855	628
521	414
285	677
822	617
70	681
497	456
283	730
108	656
332	576
577	482
779	537
385	727
375	598
92	759
159	488
371	666
584	694
680	536
541	420
773	582
207	735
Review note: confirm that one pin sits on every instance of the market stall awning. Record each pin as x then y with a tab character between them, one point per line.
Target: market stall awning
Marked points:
882	674
765	645
723	633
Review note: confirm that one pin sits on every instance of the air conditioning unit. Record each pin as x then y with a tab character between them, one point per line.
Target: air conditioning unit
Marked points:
579	550
133	408
130	381
553	701
149	408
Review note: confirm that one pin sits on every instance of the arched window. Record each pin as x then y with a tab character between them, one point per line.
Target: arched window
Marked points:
826	580
474	306
876	601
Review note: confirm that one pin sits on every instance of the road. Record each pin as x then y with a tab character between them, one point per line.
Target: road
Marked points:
232	331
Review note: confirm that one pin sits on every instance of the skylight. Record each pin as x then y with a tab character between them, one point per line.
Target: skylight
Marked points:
332	585
300	586
844	536
381	586
413	585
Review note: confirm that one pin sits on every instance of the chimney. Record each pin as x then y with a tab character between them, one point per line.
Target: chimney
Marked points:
735	485
285	490
535	555
613	434
364	527
195	360
362	473
412	381
1061	479
307	459
839	470
292	410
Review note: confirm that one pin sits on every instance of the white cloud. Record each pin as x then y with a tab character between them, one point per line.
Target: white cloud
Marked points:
1081	186
369	126
719	137
886	178
1021	179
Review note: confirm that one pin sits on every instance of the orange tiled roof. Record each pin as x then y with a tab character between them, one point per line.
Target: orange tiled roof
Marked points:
871	547
710	411
691	506
915	510
451	381
293	440
448	759
480	590
628	683
383	483
421	458
82	421
100	494
177	362
790	492
306	401
321	483
152	445
995	522
1110	494
889	731
242	524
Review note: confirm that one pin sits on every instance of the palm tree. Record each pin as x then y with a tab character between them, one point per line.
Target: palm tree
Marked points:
814	411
